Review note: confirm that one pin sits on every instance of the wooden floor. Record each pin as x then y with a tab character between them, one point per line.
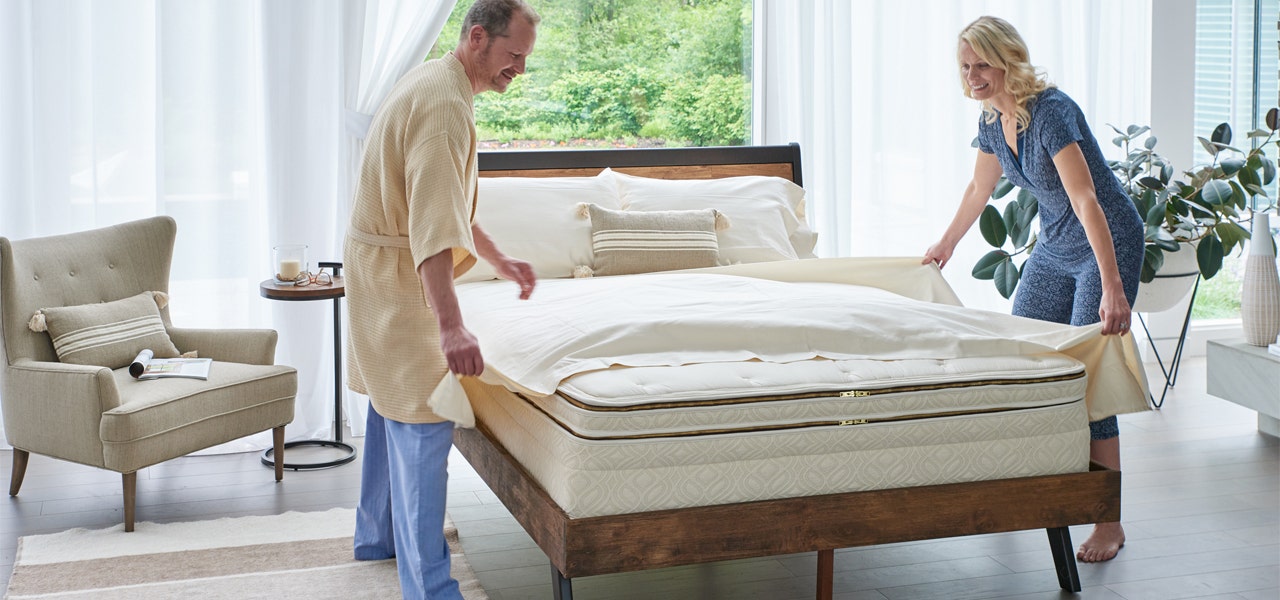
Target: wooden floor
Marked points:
1201	506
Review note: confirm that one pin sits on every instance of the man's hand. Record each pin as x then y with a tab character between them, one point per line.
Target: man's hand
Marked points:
518	271
462	351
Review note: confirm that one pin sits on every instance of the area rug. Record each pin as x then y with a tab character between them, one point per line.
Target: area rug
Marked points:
293	555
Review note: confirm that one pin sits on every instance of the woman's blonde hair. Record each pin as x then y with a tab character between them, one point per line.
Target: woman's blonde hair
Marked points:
995	41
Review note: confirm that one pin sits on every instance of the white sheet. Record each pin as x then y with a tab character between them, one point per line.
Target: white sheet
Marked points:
749	312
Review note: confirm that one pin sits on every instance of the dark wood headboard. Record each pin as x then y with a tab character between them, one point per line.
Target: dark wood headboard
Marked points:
665	163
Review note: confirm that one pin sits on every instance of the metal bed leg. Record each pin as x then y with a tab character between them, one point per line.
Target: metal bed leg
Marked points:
826	574
1064	558
1171	372
561	586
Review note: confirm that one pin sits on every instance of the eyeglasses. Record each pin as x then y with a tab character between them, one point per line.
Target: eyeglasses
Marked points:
320	277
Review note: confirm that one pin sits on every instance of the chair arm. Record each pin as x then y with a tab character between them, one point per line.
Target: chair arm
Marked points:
56	408
249	346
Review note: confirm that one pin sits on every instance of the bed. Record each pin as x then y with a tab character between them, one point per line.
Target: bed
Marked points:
630	418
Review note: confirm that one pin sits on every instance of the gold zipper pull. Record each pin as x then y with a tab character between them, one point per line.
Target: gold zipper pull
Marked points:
855	394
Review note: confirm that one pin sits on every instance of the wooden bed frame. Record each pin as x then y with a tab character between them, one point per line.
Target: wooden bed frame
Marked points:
580	547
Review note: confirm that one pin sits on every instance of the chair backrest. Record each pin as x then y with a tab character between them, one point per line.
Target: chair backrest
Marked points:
99	265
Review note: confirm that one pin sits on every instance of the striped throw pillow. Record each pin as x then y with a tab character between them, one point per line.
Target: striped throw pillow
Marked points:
107	334
625	242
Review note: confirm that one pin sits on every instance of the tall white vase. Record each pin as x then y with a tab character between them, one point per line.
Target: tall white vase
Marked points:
1260	299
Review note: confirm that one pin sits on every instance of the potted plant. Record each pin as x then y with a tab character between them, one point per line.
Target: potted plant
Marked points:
1198	216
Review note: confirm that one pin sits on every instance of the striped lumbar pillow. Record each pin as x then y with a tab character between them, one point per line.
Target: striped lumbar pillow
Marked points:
624	242
107	334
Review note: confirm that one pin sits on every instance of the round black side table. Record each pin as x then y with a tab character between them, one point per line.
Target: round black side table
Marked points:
270	289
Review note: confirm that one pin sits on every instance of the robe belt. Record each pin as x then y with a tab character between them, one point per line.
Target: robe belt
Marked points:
387	241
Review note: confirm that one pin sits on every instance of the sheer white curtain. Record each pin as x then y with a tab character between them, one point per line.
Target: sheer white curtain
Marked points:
228	115
871	92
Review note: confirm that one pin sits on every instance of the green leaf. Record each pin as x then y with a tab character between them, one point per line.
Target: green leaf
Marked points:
1216	192
1119	140
1231	234
1257	133
992	226
1268	171
1010	220
1004	186
1152	260
1256	190
974	143
1273	119
1150	143
1166	242
1247	177
1018	222
1221	134
985	268
1151	183
1209	256
1209	146
1006	278
1232	165
1155	216
1025	196
1115	129
1132	130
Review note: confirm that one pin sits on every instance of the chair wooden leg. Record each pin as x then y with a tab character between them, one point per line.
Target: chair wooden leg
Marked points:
130	493
19	470
277	444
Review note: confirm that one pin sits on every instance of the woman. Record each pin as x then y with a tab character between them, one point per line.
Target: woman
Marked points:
1088	256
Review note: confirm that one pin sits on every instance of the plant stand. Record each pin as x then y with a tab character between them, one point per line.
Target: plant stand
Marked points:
1170	372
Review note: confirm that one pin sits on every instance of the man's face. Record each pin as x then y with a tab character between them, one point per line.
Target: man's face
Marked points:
504	56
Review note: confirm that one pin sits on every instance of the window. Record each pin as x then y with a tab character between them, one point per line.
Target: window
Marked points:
1236	82
624	73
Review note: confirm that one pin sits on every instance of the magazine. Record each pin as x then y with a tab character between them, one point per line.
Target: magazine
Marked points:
146	366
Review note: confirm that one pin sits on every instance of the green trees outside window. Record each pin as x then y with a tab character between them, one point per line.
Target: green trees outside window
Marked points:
624	73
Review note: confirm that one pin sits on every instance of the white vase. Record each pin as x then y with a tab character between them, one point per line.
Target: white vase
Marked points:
1260	298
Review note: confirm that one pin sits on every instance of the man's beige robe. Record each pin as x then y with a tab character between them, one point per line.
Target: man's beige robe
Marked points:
415	199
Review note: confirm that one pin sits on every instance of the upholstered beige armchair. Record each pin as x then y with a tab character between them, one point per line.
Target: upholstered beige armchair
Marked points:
70	307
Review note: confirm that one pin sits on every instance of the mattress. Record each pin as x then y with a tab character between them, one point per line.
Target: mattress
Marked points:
634	439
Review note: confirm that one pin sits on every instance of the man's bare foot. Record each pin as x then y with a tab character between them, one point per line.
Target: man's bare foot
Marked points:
1103	544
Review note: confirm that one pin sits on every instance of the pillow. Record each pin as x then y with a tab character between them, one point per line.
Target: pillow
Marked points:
107	334
625	242
535	219
767	212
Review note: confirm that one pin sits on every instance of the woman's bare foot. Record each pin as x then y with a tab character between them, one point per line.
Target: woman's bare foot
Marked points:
1103	544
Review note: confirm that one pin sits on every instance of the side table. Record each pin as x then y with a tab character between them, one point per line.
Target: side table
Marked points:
270	289
1246	375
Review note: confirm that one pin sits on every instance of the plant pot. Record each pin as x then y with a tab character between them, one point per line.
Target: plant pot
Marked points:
1260	296
1172	282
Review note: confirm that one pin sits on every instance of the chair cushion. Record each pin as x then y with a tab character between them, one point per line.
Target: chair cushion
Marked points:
107	334
161	419
626	242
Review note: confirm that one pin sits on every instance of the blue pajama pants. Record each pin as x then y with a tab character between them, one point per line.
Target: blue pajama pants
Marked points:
1070	291
402	498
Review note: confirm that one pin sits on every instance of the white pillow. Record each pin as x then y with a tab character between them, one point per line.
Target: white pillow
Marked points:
536	219
767	212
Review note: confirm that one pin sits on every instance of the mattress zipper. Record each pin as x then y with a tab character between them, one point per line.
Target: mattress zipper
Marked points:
801	425
855	393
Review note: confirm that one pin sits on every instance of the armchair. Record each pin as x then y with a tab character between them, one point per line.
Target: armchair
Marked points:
97	414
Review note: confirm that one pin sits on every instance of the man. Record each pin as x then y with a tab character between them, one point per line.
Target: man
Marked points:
410	234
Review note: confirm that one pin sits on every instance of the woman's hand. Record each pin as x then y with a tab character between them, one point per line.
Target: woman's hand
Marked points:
1114	312
938	253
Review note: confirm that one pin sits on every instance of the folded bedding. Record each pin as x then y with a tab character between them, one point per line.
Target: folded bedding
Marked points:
784	312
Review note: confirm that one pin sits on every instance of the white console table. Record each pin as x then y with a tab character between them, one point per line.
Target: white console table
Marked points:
1246	375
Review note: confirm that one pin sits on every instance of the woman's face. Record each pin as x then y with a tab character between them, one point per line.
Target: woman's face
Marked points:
982	80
